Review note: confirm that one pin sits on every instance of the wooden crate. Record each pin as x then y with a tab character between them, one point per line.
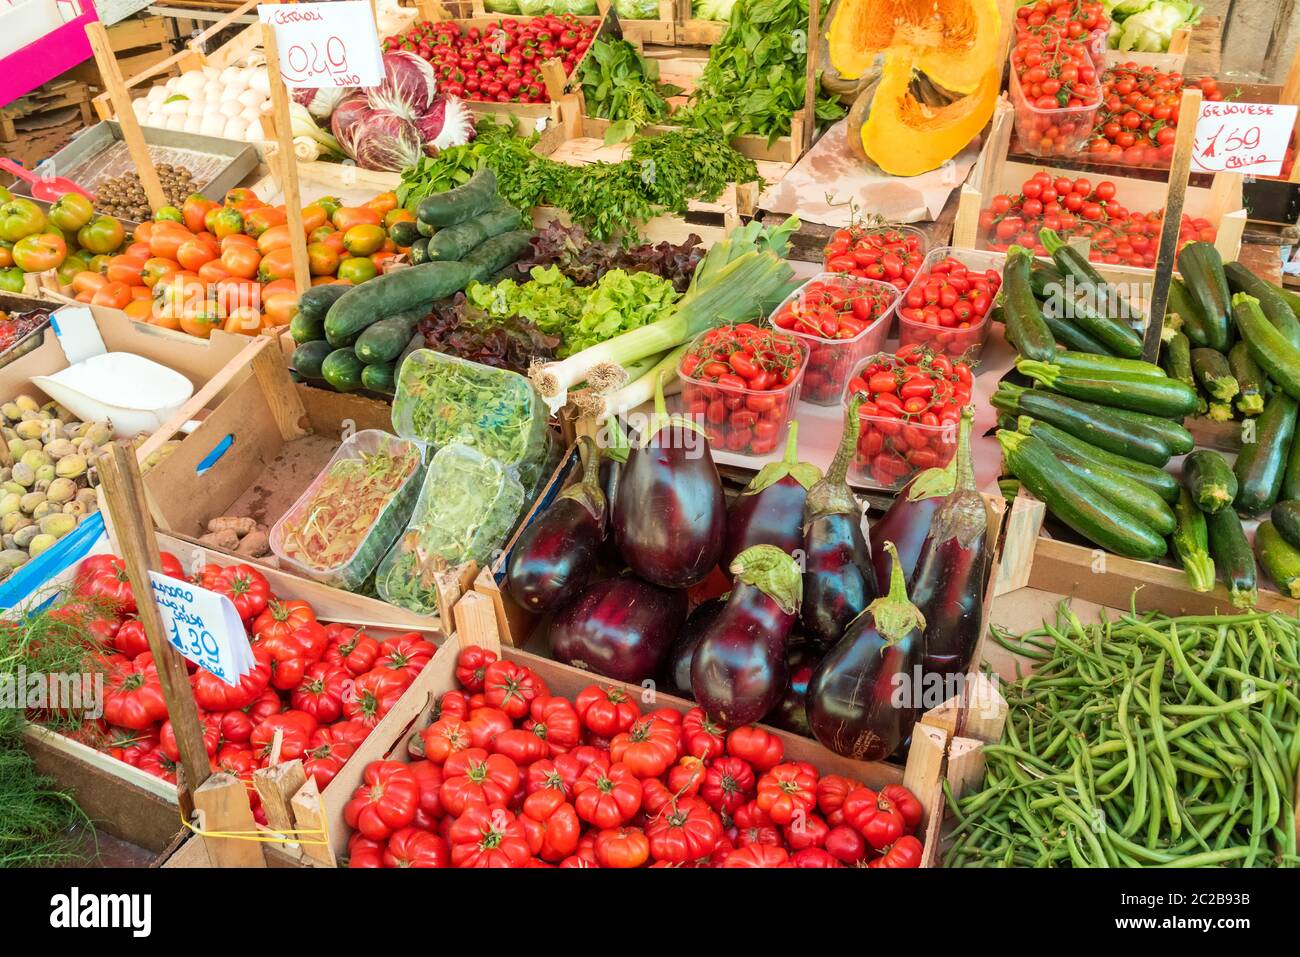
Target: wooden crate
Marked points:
662	29
58	95
1174	60
694	32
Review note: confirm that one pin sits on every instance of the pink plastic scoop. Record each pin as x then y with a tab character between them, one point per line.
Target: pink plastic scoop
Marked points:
46	188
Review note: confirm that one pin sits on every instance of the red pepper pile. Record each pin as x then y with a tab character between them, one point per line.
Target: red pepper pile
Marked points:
324	686
909	421
739	382
509	775
945	308
499	63
1055	66
875	252
1139	119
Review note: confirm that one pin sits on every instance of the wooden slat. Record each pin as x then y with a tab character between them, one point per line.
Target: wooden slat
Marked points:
221	805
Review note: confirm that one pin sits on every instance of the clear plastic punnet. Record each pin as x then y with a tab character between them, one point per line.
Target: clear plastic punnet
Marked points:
468	505
340	527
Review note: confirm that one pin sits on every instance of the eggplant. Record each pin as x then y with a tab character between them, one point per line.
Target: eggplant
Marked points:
670	514
952	570
675	675
619	627
838	580
907	520
738	669
555	555
801	660
770	509
853	697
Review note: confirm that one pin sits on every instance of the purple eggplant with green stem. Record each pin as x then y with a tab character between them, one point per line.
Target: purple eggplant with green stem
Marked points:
770	509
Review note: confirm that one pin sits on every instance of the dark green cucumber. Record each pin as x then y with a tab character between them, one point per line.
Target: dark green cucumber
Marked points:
1290	490
1103	366
1074	501
1286	516
495	254
462	203
1024	320
391	293
1093	423
424	229
1233	557
1261	464
420	251
342	370
1209	480
404	233
1130	496
308	357
455	242
1191	540
1270	349
1161	396
1272	303
1201	268
1066	446
385	340
1250	379
306	329
1210	366
1279	557
1176	438
1176	354
1180	304
317	301
379	377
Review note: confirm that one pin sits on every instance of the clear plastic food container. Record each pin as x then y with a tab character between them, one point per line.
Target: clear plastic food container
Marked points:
831	361
1060	132
742	420
340	527
906	232
468	505
953	340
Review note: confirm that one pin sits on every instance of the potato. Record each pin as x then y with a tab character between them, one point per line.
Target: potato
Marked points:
240	524
254	545
226	540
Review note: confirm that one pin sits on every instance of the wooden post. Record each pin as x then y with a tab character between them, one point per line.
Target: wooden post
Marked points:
124	495
288	164
1189	110
925	762
117	92
276	786
223	807
810	73
476	620
308	816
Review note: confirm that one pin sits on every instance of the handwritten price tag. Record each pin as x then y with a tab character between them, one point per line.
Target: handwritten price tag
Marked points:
326	44
1242	138
204	627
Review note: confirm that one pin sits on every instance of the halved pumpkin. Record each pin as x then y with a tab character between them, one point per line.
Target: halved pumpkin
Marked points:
908	125
952	41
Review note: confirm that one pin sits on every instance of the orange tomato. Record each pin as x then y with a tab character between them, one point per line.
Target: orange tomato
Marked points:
237	239
331	281
263	218
6	256
84	297
142	233
213	271
279	286
87	281
138	251
345	217
141	292
334	241
278	308
239	195
194	210
125	270
141	310
115	295
322	260
364	239
358	269
240	261
277	264
398	215
225	221
157	269
231	294
382	257
276	237
199	321
314	217
244	321
193	253
383	203
167	239
318	234
39	252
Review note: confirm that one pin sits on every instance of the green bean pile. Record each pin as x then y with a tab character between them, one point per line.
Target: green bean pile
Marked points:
1142	742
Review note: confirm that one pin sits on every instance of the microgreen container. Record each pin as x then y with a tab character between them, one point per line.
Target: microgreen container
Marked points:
315	536
952	340
1063	131
741	420
831	361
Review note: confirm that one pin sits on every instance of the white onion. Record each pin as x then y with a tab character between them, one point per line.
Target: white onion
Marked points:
236	129
191	82
211	73
229	108
197	108
250	98
213	124
259	81
255	133
176	107
229	74
249	115
156	94
193	124
175	122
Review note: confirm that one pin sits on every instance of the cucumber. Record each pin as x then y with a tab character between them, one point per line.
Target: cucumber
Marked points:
1261	464
1161	396
306	329
1270	349
495	254
307	358
461	203
1095	424
1210	366
1250	380
1201	268
424	229
1272	303
1233	557
420	251
342	370
1180	304
1074	501
1024	320
1102	366
1130	496
404	233
455	242
1286	516
391	293
385	340
1191	540
1209	480
379	377
1066	446
1279	557
317	301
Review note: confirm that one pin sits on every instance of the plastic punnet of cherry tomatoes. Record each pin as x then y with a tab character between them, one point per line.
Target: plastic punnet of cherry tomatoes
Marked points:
890	254
946	307
1138	122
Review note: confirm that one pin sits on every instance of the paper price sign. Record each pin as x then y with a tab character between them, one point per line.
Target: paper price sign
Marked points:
204	627
1242	138
326	44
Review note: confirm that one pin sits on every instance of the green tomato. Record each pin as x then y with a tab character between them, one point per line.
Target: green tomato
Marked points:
11	279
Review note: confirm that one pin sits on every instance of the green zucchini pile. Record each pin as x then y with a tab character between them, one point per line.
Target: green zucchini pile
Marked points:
352	337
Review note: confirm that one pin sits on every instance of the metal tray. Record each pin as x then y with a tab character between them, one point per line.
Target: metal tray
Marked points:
12	303
100	152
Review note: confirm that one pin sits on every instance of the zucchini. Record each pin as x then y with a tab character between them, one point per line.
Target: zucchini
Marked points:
1097	305
1180	304
1071	336
1286	516
307	358
1220	412
1268	347
495	254
379	377
1102	366
1129	496
1290	490
1094	319
1191	540
1261	464
342	370
1161	396
1272	303
1095	424
404	233
420	251
305	328
455	242
1233	557
385	340
1074	501
1250	380
1066	446
1177	357
1209	480
1279	557
461	203
391	293
1024	320
1210	366
1176	438
317	300
1201	268
1046	281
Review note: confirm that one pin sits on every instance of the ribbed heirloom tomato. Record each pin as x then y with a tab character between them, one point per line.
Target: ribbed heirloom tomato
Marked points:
605	711
406	654
352	648
373	695
554	721
473	775
445	737
551	824
471	667
874	817
282	618
411	847
760	747
512	688
757	855
787	791
686	830
607	795
700	736
295	729
321	692
484	836
385	802
245	586
648	748
133	695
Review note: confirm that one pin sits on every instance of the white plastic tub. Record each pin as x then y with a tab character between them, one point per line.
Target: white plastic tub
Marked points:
135	394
